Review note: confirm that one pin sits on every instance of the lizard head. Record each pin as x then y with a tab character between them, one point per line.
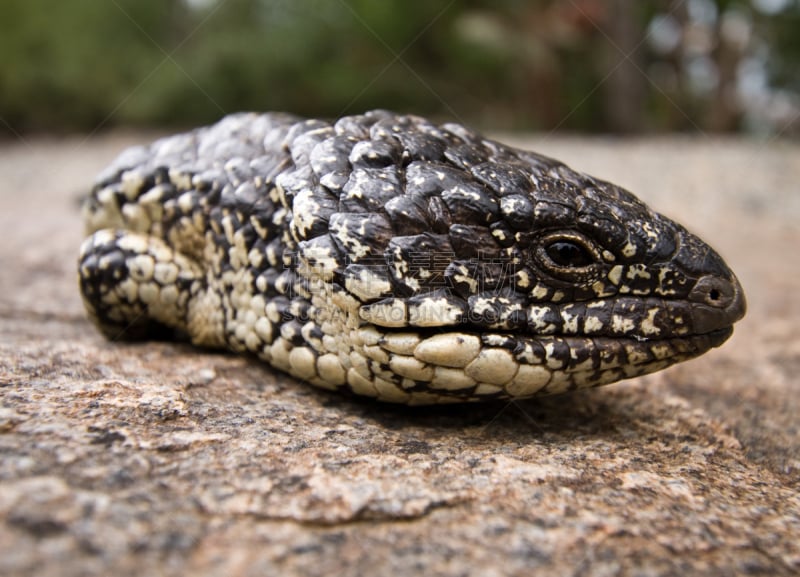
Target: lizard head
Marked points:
475	270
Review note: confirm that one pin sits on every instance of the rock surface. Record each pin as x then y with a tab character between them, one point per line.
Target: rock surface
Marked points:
159	459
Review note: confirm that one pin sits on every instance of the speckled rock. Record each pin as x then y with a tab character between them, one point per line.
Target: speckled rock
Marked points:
158	459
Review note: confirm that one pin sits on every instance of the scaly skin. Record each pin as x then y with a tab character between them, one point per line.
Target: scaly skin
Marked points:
393	258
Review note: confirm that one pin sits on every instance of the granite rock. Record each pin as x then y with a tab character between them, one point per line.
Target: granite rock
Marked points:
159	459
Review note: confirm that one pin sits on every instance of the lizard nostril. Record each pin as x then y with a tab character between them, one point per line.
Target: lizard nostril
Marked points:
714	291
717	303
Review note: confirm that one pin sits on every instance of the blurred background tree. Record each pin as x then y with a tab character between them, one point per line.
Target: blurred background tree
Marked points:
622	66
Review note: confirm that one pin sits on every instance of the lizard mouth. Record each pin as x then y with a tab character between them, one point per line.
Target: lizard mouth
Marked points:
453	366
710	307
445	350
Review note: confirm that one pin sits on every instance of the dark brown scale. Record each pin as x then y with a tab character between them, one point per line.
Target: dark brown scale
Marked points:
439	215
374	154
418	260
420	146
323	245
465	155
495	274
356	126
241	197
582	350
502	341
369	189
603	226
384	124
470	203
291	330
377	271
458	275
332	154
549	215
547	320
503	179
303	136
335	181
473	242
444	295
489	310
360	235
518	211
269	166
502	234
429	178
561	351
409	213
211	179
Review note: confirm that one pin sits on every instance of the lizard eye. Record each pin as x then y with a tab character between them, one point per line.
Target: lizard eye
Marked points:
568	254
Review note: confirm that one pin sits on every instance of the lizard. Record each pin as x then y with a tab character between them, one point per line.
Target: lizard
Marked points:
385	255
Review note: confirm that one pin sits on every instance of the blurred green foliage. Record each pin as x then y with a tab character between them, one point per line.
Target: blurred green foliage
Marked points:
585	65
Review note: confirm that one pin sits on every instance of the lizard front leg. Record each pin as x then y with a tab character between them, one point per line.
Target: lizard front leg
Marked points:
135	287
